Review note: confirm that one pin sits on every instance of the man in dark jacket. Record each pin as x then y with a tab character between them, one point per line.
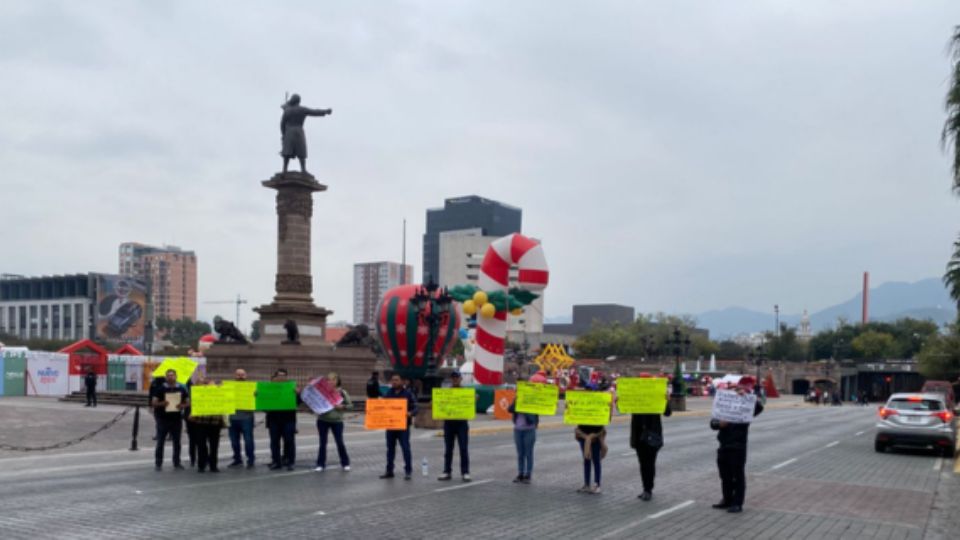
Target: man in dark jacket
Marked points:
400	435
283	427
456	431
732	454
646	437
373	386
90	382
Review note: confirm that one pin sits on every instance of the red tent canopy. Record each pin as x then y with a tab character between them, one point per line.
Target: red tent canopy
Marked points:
86	354
128	349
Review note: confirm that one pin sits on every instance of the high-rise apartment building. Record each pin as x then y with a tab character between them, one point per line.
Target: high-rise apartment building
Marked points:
492	218
370	282
171	274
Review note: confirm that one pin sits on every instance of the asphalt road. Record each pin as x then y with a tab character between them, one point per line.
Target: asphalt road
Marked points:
812	473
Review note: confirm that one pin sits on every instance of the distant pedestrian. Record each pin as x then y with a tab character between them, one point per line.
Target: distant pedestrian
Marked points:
401	436
90	383
456	431
241	424
168	402
524	436
283	428
646	438
373	385
732	454
332	420
206	430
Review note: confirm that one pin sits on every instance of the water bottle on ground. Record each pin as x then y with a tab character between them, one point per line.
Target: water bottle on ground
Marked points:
424	467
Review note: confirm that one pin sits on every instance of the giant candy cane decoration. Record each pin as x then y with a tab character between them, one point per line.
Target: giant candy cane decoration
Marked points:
527	254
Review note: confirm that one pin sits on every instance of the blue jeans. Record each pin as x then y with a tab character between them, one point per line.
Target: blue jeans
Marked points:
393	436
286	431
525	440
323	428
238	427
594	460
456	431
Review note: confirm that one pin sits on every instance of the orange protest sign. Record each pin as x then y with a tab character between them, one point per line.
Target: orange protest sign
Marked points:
389	413
501	402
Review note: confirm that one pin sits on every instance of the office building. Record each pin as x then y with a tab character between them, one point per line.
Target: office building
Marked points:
169	272
370	282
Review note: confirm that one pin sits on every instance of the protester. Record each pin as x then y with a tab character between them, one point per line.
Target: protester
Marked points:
373	385
241	424
524	436
732	453
593	447
646	438
90	383
456	431
170	421
332	420
283	426
193	437
393	436
206	431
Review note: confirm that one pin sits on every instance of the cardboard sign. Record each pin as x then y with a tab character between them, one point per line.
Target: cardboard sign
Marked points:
276	396
321	395
587	408
730	406
386	413
183	366
244	394
636	395
533	398
501	404
173	402
454	403
209	400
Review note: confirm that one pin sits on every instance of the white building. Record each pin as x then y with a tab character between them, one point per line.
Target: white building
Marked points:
461	253
50	307
370	282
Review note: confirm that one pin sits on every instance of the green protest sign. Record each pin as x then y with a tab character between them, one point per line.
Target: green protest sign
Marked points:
587	408
454	403
636	395
276	396
533	398
244	394
208	400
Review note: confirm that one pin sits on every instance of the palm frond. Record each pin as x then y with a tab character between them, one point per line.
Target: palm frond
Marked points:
951	278
950	136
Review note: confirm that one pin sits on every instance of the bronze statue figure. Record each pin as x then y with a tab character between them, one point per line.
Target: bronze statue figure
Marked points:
291	129
293	332
357	336
228	331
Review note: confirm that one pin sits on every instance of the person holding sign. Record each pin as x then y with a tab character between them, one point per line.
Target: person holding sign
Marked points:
646	438
168	410
332	420
455	431
593	447
241	424
206	430
524	437
732	454
402	436
283	426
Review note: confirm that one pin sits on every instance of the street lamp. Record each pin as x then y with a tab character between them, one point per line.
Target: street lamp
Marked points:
680	344
433	311
758	358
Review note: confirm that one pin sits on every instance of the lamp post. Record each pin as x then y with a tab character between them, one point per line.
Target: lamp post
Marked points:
433	311
680	344
758	358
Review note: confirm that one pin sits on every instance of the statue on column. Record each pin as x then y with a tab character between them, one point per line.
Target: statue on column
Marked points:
291	130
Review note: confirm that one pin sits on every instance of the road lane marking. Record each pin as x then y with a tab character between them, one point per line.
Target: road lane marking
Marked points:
670	510
784	464
629	454
461	486
938	464
639	522
859	433
319	513
831	445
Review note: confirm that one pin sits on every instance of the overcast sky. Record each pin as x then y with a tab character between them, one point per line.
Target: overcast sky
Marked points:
677	156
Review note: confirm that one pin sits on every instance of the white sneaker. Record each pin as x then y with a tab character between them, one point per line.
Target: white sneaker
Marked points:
346	468
318	469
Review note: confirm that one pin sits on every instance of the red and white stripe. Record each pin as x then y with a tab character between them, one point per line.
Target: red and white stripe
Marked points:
527	254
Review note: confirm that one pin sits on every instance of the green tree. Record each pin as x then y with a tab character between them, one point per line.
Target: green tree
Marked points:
182	332
940	357
786	346
950	138
952	276
730	350
874	345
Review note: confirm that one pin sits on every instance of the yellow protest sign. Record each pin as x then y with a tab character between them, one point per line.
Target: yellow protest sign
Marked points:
641	395
183	366
533	398
587	408
209	400
454	403
386	413
244	397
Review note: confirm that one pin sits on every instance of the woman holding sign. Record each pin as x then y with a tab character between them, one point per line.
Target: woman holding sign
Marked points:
646	437
332	420
206	431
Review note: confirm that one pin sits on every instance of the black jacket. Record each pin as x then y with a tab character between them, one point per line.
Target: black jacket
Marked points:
734	436
650	422
90	380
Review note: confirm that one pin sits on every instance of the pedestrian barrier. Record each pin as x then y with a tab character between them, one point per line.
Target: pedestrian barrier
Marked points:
71	442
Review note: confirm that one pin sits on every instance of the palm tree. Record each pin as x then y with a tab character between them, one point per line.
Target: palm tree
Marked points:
952	277
950	136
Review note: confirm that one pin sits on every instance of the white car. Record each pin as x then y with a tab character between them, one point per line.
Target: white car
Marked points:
917	420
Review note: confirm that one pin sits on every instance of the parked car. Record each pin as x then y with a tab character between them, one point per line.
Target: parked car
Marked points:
941	387
917	420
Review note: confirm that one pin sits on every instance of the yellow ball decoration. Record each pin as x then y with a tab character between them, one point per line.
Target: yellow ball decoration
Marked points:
488	311
517	312
480	298
469	307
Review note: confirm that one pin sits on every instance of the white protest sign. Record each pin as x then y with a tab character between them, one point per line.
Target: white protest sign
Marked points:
321	396
730	406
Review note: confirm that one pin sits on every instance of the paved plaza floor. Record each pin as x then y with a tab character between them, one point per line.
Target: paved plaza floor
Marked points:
812	473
